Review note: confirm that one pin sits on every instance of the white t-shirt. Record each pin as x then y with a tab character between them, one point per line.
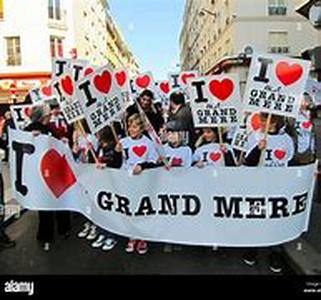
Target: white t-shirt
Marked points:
211	154
179	157
138	151
303	128
279	150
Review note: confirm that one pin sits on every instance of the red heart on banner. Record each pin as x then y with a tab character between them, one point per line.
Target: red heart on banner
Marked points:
103	82
27	111
256	121
67	85
57	173
279	154
215	156
89	71
222	90
121	78
140	150
186	76
288	74
143	82
47	91
176	162
164	86
307	124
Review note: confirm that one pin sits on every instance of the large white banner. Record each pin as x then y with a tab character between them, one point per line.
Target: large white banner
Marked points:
232	207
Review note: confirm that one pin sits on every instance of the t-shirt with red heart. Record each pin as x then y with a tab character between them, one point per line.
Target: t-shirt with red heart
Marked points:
138	151
179	157
304	132
279	150
211	154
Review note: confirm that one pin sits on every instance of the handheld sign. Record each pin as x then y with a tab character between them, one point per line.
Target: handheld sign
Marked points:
179	81
313	88
41	95
121	78
275	85
163	91
141	82
100	98
21	115
215	100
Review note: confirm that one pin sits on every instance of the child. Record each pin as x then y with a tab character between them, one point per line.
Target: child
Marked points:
210	152
139	153
177	153
278	149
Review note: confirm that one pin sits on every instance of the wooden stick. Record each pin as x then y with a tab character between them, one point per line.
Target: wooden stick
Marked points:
241	158
266	131
83	132
113	130
220	136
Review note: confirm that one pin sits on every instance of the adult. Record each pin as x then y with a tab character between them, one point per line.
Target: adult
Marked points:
146	101
181	114
40	118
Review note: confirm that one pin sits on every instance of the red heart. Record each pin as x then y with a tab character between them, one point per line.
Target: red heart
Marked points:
221	89
164	86
256	121
176	162
186	76
57	173
27	111
103	82
143	82
215	156
67	85
47	91
288	74
279	154
307	124
140	150
121	78
89	71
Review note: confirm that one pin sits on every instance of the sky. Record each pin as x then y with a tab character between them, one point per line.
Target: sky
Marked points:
151	28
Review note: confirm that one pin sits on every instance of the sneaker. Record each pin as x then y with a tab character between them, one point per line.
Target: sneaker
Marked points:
109	244
131	246
99	242
142	247
275	263
85	231
167	248
6	242
249	258
46	247
92	233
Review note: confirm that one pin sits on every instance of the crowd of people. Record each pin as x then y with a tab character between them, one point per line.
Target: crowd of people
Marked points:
126	144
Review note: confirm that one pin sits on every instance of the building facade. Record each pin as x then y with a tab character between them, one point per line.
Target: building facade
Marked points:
214	29
33	32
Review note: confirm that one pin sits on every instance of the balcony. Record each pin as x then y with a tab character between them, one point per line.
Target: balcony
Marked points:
277	10
279	50
60	24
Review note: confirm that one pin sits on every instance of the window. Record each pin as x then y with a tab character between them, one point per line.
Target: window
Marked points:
56	46
1	9
13	51
277	7
278	42
54	9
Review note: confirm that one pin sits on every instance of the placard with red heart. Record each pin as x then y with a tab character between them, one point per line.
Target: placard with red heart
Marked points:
275	84
141	82
21	115
215	100
101	95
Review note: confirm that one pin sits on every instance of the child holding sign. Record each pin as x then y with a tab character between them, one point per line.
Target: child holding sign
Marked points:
210	152
278	151
139	154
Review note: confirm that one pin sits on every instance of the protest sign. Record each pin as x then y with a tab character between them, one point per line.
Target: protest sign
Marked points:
276	84
215	100
313	88
122	80
21	115
141	82
187	206
41	95
100	98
